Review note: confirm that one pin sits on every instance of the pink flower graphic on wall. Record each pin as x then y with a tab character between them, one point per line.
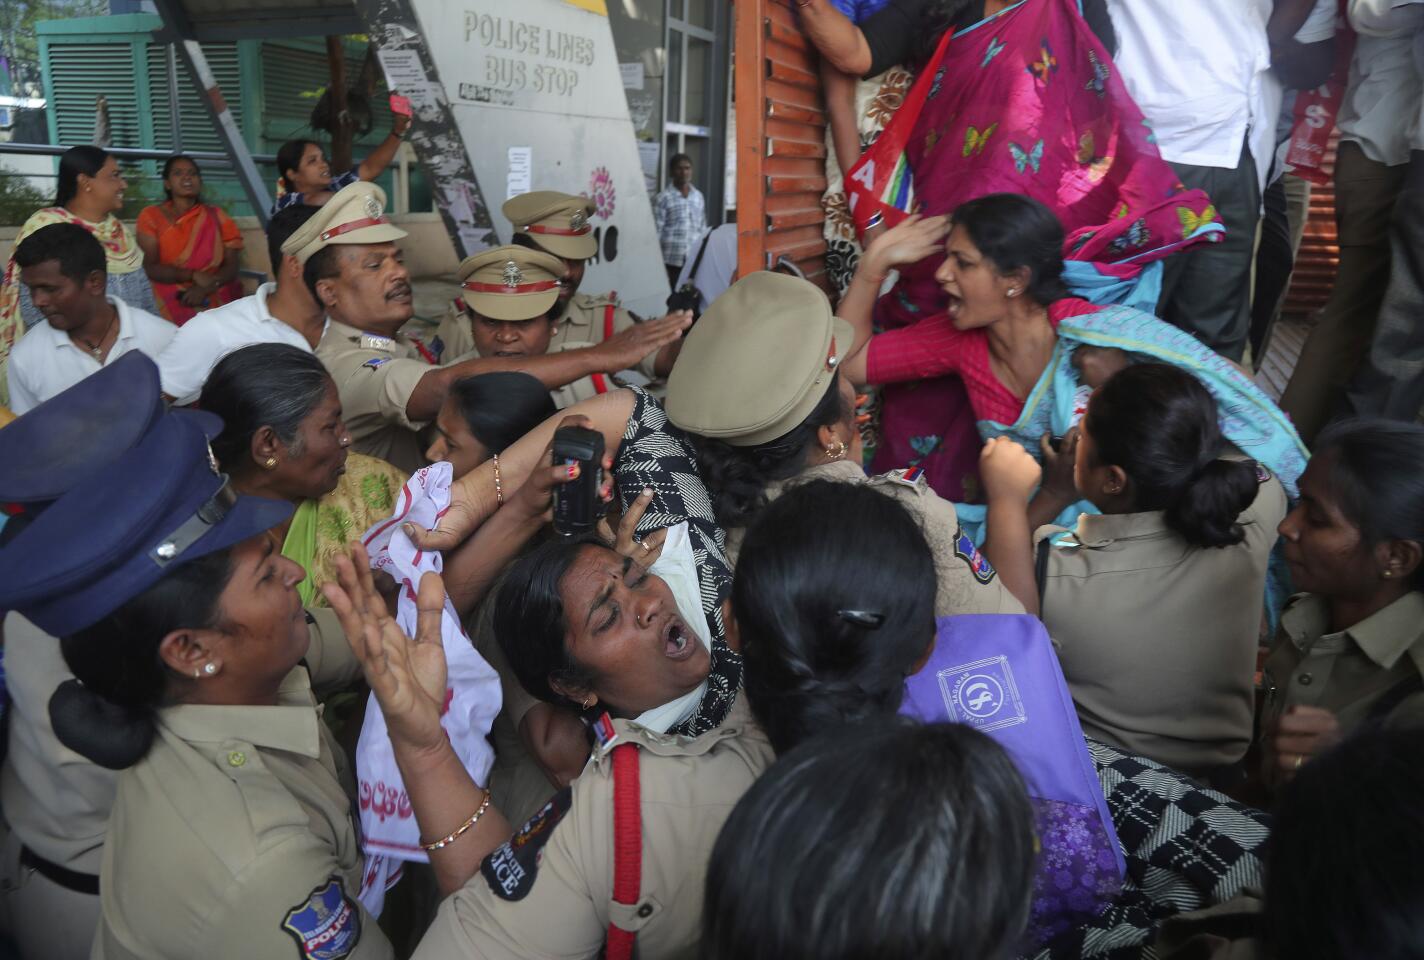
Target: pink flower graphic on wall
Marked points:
600	190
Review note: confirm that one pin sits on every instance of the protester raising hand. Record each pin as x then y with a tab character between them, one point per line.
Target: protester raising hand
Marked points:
407	674
909	241
408	677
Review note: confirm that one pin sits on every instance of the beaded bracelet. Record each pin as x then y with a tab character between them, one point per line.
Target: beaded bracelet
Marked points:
450	838
498	487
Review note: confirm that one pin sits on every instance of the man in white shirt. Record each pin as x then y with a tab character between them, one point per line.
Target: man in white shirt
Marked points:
1370	164
1390	380
83	330
1200	71
281	312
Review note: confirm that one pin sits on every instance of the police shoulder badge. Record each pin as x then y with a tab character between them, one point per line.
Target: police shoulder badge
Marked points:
510	870
327	924
375	362
965	550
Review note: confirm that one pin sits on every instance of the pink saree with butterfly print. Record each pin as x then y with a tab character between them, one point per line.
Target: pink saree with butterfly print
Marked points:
1026	101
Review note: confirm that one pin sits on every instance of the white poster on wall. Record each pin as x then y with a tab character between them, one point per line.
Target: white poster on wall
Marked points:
520	176
632	75
540	80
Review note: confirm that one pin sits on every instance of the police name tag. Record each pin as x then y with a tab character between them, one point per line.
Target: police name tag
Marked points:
327	925
371	341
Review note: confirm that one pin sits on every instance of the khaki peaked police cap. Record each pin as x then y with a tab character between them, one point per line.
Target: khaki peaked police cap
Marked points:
510	283
758	361
356	214
557	222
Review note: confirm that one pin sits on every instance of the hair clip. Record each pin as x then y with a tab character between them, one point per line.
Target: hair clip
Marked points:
862	618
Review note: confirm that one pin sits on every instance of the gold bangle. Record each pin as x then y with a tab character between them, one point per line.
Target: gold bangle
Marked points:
498	487
450	838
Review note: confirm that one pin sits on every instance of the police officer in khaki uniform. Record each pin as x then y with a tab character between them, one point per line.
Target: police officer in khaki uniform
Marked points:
231	831
390	388
510	294
1183	696
1367	673
549	892
758	365
56	803
558	223
351	262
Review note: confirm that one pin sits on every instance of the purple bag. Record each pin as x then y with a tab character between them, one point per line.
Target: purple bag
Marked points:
998	672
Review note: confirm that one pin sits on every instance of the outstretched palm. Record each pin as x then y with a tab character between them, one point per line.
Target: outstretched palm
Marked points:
408	676
909	241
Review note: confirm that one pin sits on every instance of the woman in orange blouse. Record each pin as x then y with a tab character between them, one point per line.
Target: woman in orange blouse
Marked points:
190	248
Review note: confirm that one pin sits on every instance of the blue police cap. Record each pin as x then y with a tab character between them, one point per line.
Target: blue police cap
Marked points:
75	433
123	528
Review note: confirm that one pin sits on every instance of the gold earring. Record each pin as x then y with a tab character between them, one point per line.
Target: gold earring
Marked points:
587	702
836	451
1386	574
270	463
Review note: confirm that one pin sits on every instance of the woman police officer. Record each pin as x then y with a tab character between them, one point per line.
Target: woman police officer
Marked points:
56	801
231	831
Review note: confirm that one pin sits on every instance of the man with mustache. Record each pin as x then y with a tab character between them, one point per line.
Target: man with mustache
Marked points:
390	388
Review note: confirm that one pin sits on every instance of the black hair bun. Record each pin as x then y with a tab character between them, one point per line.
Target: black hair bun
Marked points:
111	735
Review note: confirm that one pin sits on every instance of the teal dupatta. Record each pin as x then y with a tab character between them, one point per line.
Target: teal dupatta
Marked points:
1249	419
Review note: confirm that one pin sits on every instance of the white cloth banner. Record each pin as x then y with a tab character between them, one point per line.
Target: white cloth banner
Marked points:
389	833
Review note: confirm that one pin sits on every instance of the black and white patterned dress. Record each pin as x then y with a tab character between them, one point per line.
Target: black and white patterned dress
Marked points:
657	455
1187	847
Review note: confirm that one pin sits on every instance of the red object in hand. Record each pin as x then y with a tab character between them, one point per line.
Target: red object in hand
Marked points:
400	105
1315	112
